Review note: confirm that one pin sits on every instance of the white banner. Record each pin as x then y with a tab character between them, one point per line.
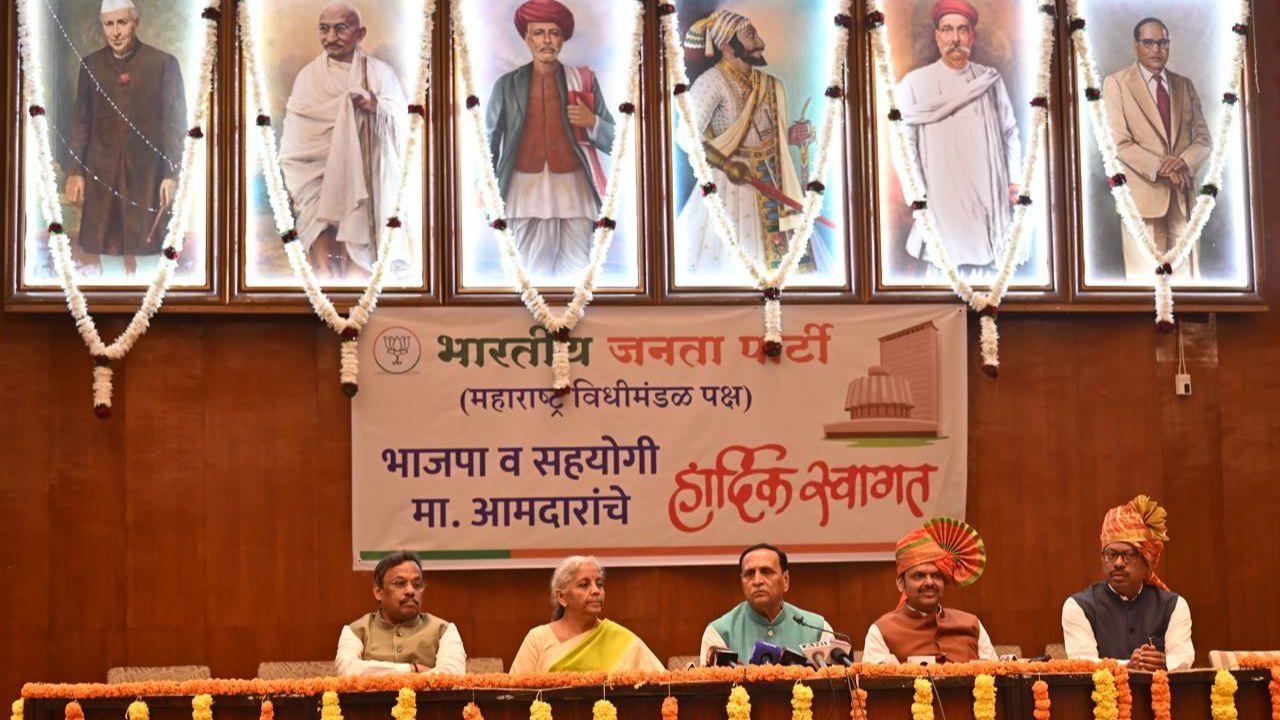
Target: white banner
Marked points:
680	442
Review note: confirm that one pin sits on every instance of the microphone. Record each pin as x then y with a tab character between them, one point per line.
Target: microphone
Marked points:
765	654
720	656
818	654
841	653
838	635
791	657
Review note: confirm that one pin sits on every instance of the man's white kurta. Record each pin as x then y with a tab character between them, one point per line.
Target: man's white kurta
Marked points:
323	160
961	125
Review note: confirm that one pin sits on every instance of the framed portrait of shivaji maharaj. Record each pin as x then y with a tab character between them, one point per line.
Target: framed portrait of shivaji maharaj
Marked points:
121	86
1164	67
337	84
759	71
966	75
549	76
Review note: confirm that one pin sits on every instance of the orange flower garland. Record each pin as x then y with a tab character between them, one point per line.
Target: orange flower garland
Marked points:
472	712
1161	697
1275	692
1040	693
73	711
268	711
1124	693
858	704
670	708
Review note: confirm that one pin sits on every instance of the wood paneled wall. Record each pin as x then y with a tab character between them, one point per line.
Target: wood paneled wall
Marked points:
208	521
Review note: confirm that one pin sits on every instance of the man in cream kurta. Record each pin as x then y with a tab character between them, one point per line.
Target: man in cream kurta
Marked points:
960	123
743	124
345	128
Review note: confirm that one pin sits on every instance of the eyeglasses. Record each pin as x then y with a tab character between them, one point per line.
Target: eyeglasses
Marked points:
1150	44
1129	555
402	584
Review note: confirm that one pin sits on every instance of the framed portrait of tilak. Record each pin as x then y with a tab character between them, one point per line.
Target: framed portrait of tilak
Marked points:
121	86
549	76
966	75
337	89
759	71
1164	68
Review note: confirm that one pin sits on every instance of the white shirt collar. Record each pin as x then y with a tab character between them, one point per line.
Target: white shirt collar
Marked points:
1122	597
1147	75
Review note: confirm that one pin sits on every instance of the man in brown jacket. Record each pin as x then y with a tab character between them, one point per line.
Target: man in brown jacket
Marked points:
1162	139
125	145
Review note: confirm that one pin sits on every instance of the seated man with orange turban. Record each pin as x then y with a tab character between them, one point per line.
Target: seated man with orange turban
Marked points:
1131	615
941	552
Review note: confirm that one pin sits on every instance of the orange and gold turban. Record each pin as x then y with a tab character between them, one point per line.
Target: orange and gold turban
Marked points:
1141	523
953	545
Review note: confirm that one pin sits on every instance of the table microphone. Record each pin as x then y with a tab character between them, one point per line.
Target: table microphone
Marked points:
791	657
721	656
818	654
838	635
840	653
765	654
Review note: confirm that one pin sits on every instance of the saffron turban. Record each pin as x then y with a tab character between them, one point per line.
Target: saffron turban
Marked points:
544	11
714	30
953	545
955	7
1140	523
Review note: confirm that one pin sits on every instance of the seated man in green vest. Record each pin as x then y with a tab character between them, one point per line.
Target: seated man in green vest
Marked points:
398	637
941	552
764	615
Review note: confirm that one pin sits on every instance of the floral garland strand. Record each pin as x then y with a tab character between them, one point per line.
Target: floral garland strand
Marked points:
670	708
15	710
1161	697
922	700
857	704
1104	695
329	707
1274	685
495	209
986	304
406	707
1222	698
769	282
51	209
604	710
1167	262
1124	693
267	711
392	230
539	710
739	705
1040	694
138	710
202	707
984	697
73	711
471	711
801	702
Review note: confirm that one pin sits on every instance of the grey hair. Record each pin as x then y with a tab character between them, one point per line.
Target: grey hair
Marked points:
351	10
563	575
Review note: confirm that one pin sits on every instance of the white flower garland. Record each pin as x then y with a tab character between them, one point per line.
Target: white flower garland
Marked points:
985	303
51	208
495	208
770	282
393	230
1165	263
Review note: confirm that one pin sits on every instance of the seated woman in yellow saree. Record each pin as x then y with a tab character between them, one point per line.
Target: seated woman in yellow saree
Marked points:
578	639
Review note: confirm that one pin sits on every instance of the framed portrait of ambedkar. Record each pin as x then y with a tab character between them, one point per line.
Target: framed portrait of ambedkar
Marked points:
966	75
758	72
337	78
121	86
1164	66
549	76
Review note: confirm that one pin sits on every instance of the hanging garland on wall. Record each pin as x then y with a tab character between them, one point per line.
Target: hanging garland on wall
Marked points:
1169	261
51	207
392	229
769	282
495	208
987	303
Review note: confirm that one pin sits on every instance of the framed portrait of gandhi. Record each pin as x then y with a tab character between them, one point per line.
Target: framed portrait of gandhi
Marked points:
337	77
758	72
549	76
1165	65
121	87
966	75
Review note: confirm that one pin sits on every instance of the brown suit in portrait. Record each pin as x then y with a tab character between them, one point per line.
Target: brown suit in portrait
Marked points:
126	134
1142	143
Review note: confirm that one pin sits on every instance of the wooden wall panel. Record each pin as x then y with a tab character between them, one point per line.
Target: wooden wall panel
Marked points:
209	520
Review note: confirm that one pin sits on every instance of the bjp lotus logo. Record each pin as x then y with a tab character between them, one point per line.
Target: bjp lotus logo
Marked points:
397	350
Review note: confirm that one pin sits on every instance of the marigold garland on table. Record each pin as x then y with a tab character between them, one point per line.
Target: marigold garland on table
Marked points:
15	712
1040	693
604	710
922	701
801	702
1124	694
202	707
539	710
1222	697
1161	697
1104	695
1275	692
670	708
471	712
329	707
858	704
138	710
739	706
406	705
267	712
73	711
984	697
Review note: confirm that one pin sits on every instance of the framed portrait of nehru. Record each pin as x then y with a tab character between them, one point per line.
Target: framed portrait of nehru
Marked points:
1165	65
758	73
549	75
337	78
966	75
120	79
